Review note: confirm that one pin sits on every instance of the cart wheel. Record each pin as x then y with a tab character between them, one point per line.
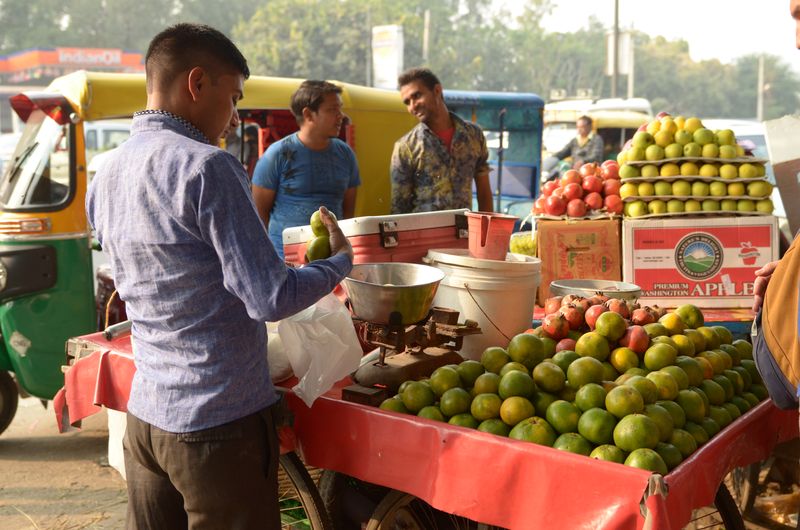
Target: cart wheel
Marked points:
349	501
742	483
401	510
300	503
9	398
723	514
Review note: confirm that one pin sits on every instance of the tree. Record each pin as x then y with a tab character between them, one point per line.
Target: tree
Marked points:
18	17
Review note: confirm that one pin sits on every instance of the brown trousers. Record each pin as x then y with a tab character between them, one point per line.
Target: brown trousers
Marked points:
225	477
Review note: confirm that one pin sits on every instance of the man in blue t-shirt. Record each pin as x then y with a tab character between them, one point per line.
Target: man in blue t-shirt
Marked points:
308	169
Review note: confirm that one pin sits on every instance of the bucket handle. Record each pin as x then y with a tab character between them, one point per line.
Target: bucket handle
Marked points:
466	286
485	220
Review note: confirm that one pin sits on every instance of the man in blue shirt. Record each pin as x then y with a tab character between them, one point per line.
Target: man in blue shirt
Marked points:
309	168
191	259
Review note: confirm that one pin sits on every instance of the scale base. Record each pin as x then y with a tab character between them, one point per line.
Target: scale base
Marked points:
405	366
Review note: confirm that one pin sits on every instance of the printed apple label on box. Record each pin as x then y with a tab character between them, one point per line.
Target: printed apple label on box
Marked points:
692	262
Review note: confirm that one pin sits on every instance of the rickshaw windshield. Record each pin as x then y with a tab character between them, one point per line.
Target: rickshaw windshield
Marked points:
38	175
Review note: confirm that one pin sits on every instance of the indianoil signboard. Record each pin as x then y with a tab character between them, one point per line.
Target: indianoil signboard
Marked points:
41	65
706	261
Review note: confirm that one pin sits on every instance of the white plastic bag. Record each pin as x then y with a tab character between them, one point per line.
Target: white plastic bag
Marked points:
321	345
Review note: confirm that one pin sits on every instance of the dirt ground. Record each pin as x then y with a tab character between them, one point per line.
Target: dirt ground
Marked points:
58	481
52	481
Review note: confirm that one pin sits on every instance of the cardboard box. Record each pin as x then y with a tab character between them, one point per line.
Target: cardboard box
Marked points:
385	238
707	261
581	249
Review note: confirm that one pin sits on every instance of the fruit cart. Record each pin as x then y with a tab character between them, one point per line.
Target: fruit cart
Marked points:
479	476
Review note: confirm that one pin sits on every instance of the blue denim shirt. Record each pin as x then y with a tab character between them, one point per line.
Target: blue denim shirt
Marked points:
198	273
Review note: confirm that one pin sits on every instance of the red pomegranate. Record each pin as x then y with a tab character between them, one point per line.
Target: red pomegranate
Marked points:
593	200
548	187
576	208
565	344
635	338
611	187
619	306
591	184
554	205
592	313
574	315
573	190
609	170
642	316
556	326
588	169
552	304
613	203
570	176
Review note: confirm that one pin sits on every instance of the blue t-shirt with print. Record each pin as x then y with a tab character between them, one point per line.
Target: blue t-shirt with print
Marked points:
304	180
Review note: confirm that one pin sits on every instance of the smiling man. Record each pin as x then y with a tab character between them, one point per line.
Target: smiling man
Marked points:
199	277
434	165
308	169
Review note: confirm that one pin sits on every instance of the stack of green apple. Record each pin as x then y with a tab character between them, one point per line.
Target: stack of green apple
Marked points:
675	165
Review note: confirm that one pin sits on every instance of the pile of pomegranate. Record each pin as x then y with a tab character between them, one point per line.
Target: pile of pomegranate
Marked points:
577	314
593	189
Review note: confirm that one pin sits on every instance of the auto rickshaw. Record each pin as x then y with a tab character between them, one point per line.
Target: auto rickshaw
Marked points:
46	258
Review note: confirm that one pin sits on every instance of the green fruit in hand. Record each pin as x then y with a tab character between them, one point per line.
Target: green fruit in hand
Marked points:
317	226
318	248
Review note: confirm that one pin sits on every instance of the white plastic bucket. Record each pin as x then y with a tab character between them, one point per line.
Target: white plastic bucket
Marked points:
498	295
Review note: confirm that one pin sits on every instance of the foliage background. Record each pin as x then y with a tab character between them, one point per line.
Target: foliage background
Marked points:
473	44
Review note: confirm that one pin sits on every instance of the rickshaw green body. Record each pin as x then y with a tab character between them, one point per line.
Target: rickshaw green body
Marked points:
35	327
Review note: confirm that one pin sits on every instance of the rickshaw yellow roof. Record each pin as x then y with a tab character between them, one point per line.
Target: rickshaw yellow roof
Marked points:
98	95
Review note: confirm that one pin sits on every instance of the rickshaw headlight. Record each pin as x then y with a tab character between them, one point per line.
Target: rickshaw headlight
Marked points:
3	276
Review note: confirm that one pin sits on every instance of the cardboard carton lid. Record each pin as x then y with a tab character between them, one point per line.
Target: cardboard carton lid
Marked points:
368	225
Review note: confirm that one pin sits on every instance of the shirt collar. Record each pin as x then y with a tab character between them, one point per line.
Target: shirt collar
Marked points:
178	123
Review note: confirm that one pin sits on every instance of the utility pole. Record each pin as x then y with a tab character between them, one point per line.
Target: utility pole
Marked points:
369	49
426	28
760	94
615	70
630	67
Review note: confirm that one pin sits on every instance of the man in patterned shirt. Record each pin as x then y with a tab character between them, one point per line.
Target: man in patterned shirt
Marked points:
434	165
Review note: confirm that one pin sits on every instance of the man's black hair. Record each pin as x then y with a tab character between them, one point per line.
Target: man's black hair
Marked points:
424	75
586	119
183	46
310	95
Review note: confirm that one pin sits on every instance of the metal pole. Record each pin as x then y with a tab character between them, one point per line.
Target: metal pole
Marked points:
426	29
500	162
369	49
630	68
615	71
760	94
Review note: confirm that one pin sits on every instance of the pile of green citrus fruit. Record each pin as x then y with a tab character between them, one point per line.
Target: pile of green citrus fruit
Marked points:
649	404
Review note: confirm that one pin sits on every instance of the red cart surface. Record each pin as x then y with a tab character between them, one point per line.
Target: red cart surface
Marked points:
487	478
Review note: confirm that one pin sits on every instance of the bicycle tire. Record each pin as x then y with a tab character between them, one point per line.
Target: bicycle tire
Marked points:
296	485
724	513
728	509
742	483
350	502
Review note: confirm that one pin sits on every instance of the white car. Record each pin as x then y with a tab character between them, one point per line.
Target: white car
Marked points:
8	142
752	132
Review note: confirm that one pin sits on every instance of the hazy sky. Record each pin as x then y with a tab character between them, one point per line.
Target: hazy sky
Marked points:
722	29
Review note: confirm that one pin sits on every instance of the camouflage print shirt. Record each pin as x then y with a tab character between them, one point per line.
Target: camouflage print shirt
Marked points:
426	177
